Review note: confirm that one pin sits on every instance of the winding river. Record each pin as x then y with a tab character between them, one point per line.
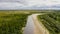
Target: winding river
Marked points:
29	29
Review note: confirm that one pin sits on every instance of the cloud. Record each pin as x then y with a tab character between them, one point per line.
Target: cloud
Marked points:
43	2
28	3
11	4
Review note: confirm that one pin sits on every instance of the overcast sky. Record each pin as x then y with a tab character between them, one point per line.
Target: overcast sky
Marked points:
29	4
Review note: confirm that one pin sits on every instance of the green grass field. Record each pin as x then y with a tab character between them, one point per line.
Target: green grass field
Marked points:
12	23
51	21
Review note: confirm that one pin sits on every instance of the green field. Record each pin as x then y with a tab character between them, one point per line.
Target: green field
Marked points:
51	21
12	23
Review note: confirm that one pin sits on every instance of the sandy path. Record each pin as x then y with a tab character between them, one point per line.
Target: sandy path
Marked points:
39	28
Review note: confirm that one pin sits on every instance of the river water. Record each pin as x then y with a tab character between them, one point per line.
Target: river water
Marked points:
29	29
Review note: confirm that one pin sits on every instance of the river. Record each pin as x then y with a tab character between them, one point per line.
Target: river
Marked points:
29	29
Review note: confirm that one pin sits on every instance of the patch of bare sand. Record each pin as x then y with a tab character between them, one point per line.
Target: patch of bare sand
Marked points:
39	28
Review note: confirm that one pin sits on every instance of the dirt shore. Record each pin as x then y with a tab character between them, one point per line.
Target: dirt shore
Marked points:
39	28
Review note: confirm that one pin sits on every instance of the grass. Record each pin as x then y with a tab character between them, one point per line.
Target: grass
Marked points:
12	23
51	21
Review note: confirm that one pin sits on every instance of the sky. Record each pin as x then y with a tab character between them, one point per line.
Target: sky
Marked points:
29	4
